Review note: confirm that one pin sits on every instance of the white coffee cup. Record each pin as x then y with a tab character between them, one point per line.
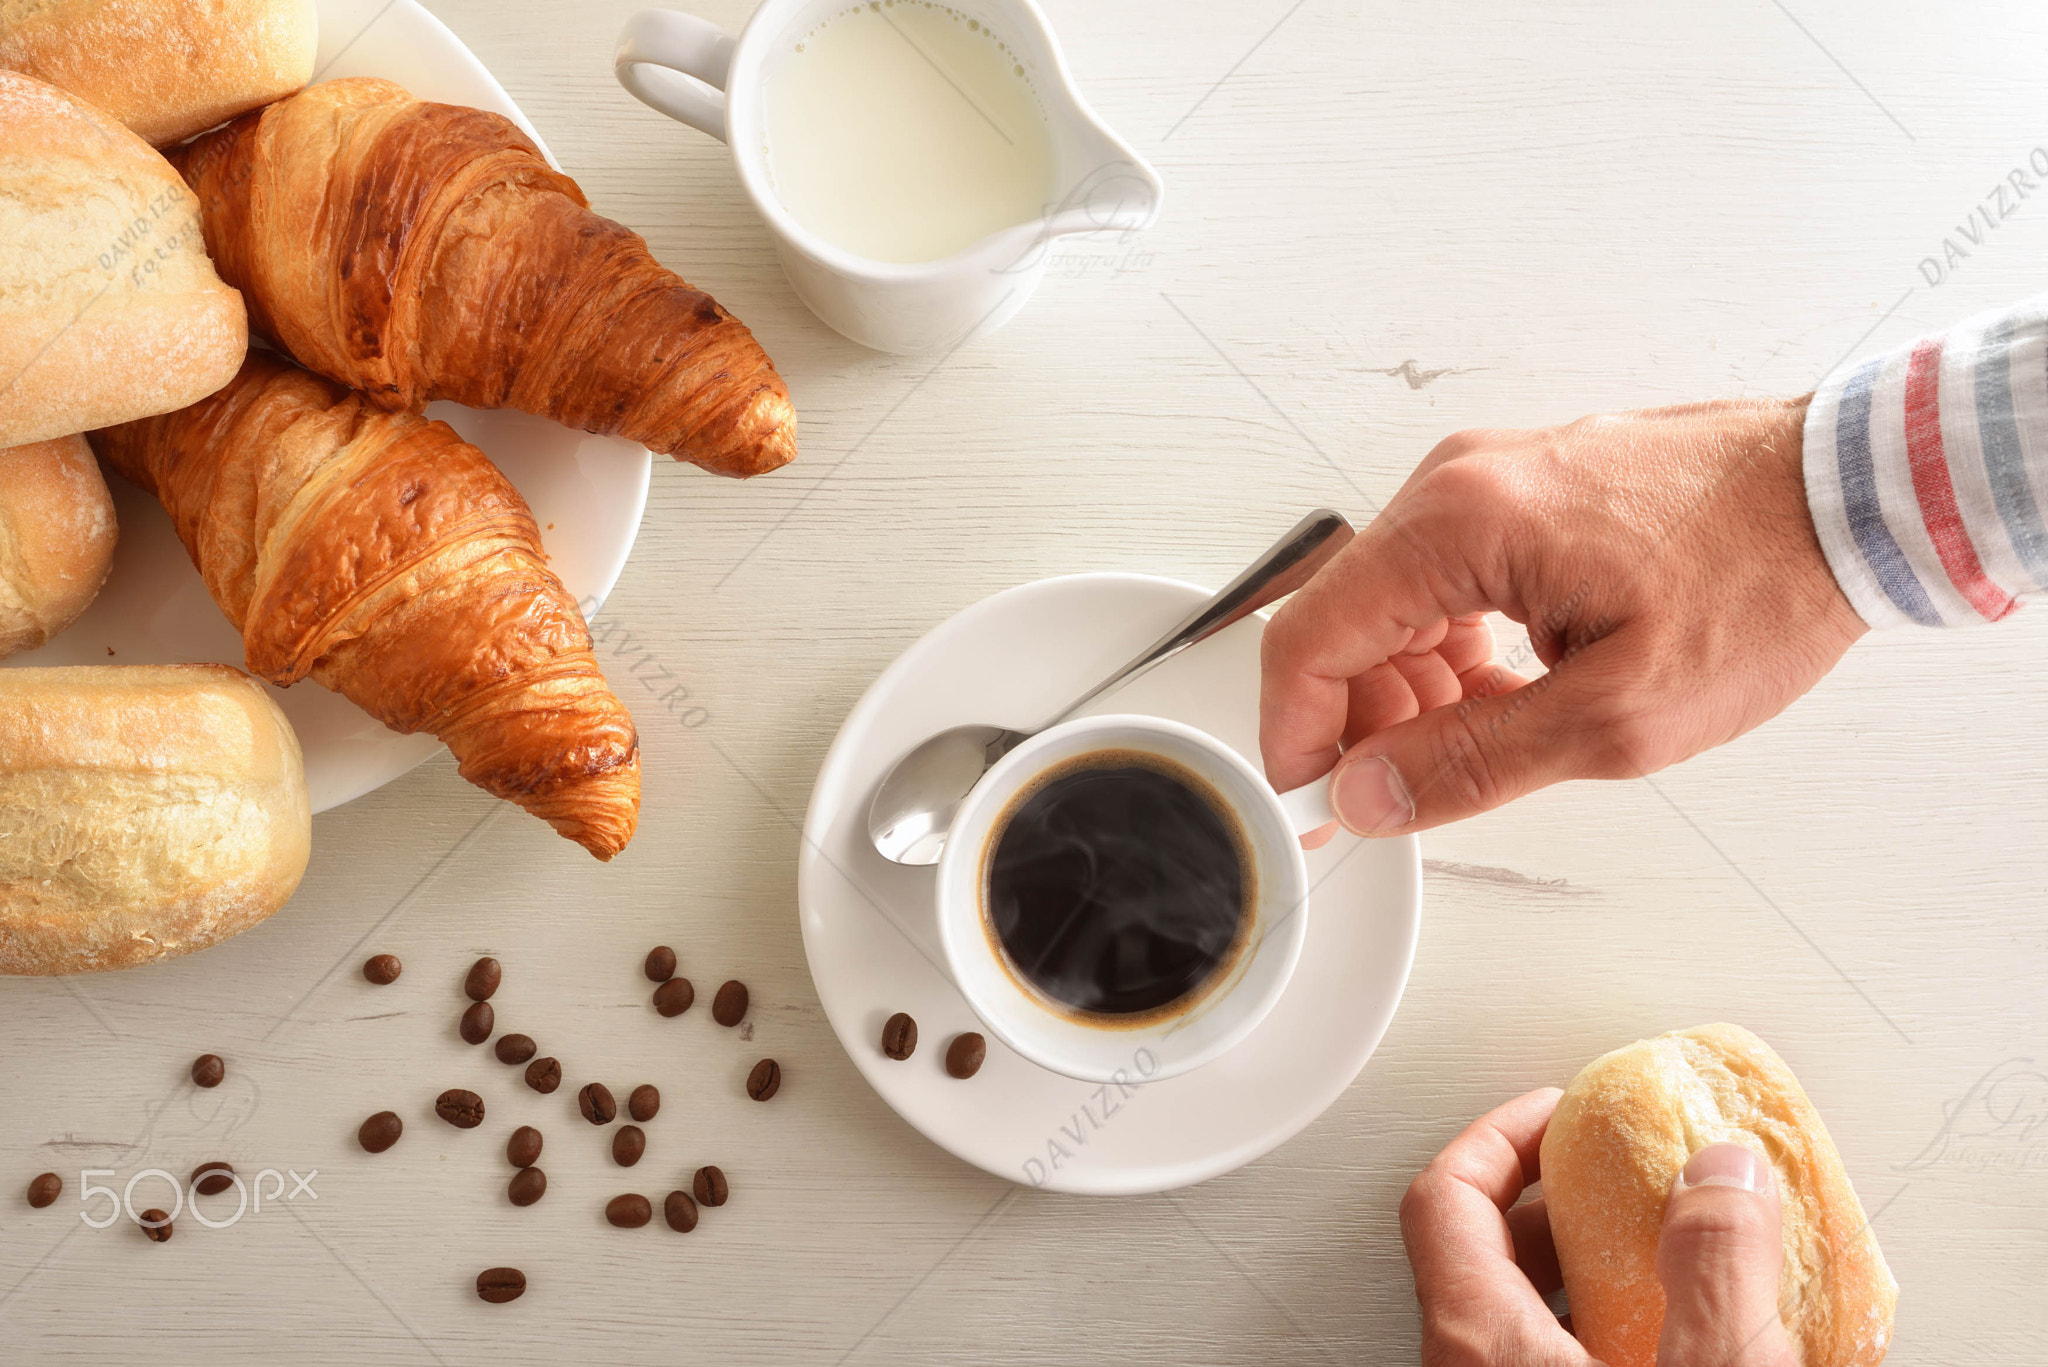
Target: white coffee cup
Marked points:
1223	1011
692	71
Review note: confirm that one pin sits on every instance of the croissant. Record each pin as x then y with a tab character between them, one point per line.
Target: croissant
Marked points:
390	560
418	251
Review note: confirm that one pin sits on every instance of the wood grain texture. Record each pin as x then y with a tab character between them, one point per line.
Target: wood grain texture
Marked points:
1561	209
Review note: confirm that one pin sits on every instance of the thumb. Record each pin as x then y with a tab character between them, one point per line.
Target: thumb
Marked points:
1718	1259
1469	757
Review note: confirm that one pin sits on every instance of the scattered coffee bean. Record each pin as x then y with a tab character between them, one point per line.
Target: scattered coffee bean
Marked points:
523	1148
899	1036
464	1110
44	1190
661	964
484	977
383	969
208	1070
628	1144
674	997
211	1179
528	1186
157	1226
965	1053
380	1131
516	1048
478	1022
729	1007
680	1212
629	1212
595	1101
501	1284
765	1081
710	1187
544	1075
644	1102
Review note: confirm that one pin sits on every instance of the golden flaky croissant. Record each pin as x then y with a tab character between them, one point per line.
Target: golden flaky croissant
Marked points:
391	561
420	251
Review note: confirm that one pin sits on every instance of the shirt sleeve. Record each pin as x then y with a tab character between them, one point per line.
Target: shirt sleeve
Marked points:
1927	472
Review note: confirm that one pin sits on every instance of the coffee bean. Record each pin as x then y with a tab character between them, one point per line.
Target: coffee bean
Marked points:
661	964
544	1075
483	979
380	1131
644	1102
383	969
710	1186
516	1048
680	1212
501	1284
211	1179
523	1148
464	1110
208	1070
628	1144
965	1053
899	1036
729	1007
528	1186
156	1226
765	1081
673	997
478	1022
44	1190
629	1212
595	1101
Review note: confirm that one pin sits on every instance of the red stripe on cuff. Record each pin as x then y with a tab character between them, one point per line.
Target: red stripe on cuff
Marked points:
1928	461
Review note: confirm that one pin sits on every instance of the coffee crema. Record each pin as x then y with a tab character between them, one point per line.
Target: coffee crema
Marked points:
1118	885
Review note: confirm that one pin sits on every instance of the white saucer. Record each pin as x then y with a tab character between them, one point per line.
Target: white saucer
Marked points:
586	492
872	942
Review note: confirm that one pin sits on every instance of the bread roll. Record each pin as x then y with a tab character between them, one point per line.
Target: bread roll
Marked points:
166	68
109	307
1623	1131
56	539
145	811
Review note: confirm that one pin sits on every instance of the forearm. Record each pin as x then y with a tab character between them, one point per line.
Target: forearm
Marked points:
1925	470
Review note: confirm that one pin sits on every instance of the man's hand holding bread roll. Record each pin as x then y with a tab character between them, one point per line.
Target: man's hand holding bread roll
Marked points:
1693	1210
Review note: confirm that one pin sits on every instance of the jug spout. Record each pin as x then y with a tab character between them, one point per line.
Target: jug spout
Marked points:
1115	191
1105	186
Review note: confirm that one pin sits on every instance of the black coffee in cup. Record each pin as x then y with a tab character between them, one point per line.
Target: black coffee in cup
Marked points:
1119	884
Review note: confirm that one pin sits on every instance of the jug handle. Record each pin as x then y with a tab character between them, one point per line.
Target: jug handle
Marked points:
676	63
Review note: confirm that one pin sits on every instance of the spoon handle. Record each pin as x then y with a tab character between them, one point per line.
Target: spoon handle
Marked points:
1287	564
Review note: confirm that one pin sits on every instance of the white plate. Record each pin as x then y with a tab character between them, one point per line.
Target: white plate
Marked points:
586	492
872	942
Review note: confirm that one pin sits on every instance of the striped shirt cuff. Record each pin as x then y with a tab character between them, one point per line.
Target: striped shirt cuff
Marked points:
1922	471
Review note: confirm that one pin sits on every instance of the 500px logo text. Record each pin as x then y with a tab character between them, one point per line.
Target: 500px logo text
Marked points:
267	1185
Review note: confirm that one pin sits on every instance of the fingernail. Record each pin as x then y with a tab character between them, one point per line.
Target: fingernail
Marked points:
1370	798
1727	1165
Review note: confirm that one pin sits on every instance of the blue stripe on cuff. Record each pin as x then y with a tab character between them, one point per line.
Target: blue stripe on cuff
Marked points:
2005	463
1888	564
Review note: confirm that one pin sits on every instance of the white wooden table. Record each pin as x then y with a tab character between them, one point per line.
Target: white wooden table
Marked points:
1385	222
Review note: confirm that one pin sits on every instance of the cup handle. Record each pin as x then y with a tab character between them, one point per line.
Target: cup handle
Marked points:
1308	807
676	63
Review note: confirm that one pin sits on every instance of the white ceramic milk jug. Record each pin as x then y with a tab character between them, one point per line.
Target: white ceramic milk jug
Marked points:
1092	182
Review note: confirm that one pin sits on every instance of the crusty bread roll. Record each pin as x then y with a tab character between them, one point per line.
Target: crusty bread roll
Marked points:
145	811
166	68
56	539
109	307
1622	1132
